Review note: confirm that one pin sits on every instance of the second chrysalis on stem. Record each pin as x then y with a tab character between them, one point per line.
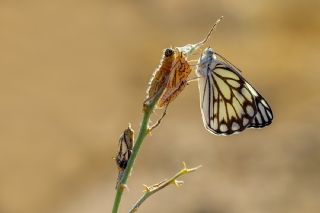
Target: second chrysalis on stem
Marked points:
125	146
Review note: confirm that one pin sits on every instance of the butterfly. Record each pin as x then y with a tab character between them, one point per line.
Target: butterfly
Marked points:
229	104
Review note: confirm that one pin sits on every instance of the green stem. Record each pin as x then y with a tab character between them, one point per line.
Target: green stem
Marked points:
150	190
144	130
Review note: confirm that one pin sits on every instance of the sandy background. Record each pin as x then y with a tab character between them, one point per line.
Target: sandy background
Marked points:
74	73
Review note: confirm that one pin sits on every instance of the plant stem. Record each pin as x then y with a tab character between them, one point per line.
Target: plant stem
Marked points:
144	130
150	190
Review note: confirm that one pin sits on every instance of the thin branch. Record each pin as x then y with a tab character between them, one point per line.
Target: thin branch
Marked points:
148	107
150	190
192	79
159	120
190	48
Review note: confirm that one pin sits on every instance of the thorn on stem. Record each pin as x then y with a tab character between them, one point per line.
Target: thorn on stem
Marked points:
184	165
124	186
194	169
146	188
178	183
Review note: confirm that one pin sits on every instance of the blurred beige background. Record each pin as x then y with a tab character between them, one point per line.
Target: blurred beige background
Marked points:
74	73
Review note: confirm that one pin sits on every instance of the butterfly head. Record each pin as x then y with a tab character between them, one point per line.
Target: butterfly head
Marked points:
207	56
208	52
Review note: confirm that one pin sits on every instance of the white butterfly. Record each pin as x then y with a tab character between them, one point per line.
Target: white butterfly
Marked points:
229	104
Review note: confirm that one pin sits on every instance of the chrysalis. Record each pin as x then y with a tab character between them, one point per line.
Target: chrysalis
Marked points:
124	151
180	71
161	75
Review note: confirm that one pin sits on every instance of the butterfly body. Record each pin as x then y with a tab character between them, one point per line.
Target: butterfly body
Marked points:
229	104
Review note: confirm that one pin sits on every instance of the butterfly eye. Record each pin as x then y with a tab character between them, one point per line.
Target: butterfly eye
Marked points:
168	52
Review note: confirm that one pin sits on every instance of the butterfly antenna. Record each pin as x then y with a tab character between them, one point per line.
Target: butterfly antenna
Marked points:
227	61
190	48
210	32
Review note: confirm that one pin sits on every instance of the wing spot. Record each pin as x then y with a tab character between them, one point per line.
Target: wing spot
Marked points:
223	128
235	126
245	121
250	110
215	124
